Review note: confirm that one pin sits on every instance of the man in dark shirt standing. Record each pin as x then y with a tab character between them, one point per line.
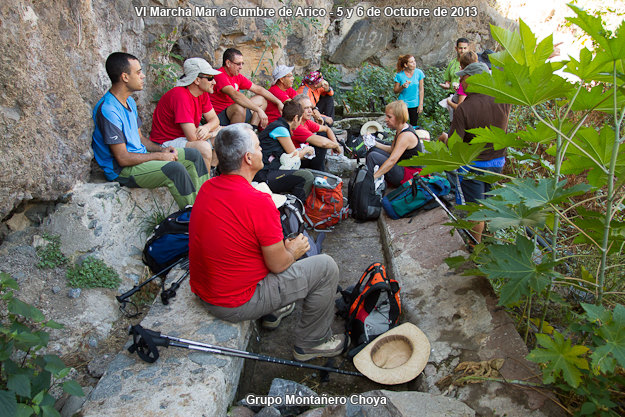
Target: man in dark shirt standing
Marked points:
478	110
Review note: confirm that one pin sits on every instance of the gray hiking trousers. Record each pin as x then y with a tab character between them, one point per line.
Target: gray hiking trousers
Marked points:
312	279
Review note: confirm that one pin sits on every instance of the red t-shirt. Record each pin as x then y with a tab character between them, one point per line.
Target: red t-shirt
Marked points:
221	100
230	222
177	106
272	110
303	132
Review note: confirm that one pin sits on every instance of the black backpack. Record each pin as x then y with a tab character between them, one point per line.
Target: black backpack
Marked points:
169	241
371	307
365	201
292	219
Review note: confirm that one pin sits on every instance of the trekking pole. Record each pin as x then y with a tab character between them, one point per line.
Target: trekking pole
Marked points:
146	342
449	213
125	297
171	291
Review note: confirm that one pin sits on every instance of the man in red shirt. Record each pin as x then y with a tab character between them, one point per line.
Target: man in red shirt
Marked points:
176	119
282	88
240	264
320	137
230	104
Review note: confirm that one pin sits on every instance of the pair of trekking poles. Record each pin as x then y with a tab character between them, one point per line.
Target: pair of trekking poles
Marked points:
146	343
166	294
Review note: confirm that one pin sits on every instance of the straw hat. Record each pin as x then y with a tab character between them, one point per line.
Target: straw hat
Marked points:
278	199
371	127
396	356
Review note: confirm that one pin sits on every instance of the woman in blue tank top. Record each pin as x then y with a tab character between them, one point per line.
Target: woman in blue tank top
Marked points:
409	86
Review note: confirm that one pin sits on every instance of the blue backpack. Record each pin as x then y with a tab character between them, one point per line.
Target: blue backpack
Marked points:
169	242
408	198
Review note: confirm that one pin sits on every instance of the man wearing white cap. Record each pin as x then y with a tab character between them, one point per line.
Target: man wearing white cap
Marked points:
282	88
176	119
231	105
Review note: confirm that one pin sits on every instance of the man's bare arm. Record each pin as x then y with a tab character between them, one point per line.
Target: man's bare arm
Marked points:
129	159
257	89
279	256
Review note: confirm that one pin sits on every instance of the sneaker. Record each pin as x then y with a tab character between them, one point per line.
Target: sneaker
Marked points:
271	321
332	347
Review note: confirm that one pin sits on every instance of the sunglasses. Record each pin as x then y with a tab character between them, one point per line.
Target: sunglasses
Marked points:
207	77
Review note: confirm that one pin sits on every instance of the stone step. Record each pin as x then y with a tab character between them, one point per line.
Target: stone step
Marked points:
181	382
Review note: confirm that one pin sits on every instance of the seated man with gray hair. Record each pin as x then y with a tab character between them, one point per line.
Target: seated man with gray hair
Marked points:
241	266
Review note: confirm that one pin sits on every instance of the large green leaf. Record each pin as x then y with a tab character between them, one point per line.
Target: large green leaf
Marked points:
599	147
560	357
614	47
517	84
539	193
8	403
53	364
442	158
501	214
590	68
19	307
73	388
520	47
20	384
515	263
497	136
592	223
49	411
611	330
540	134
24	410
599	99
7	281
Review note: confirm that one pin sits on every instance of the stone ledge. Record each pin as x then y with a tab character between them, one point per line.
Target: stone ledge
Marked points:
181	382
460	317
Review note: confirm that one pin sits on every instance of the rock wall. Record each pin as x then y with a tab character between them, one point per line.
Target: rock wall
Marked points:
53	53
52	74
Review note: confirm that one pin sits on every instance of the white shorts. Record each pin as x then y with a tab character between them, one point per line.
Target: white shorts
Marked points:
176	143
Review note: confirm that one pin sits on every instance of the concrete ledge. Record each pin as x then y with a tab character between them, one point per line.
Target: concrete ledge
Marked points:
459	314
181	382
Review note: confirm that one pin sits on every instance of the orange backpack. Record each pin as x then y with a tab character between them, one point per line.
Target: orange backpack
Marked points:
324	206
371	307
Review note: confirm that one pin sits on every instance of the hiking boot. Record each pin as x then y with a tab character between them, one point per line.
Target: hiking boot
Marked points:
332	347
271	321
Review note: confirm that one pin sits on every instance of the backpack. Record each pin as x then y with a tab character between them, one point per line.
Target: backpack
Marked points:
169	241
371	307
365	201
324	205
408	198
355	146
292	220
292	216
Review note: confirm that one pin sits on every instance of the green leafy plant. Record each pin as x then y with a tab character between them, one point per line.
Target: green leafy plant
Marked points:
572	197
333	76
165	71
50	255
434	118
592	370
150	219
372	86
27	375
92	273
